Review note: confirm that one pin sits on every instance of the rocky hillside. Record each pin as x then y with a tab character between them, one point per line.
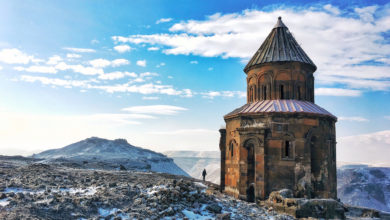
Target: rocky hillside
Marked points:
41	191
193	162
98	153
364	186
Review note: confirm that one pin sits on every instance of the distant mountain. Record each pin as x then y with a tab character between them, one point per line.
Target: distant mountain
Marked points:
361	185
100	153
193	162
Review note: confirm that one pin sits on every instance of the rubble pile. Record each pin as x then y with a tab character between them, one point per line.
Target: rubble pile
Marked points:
55	192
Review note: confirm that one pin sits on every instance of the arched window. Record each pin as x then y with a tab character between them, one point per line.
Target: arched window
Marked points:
281	91
265	92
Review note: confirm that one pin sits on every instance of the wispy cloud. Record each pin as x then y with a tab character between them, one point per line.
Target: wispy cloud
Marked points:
37	69
155	109
73	55
79	50
332	9
102	63
55	82
353	118
53	60
116	75
226	94
122	48
153	48
112	75
78	68
163	20
185	131
160	65
194	62
337	92
150	98
141	63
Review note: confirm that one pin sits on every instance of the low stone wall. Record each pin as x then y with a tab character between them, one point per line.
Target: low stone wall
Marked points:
283	201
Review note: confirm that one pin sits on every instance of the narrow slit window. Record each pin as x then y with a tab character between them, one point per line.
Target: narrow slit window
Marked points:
287	149
281	92
299	92
265	92
231	150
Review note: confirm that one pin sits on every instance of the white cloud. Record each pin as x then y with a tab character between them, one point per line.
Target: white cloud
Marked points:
343	47
155	109
122	48
366	13
193	62
146	89
94	41
73	55
119	62
210	69
372	148
332	9
1	67
145	74
163	20
153	48
353	118
150	98
226	94
54	60
100	63
112	75
337	92
79	69
141	63
79	50
131	74
37	69
160	65
15	56
185	131
55	82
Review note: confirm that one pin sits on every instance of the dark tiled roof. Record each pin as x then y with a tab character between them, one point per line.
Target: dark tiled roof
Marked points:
280	106
280	45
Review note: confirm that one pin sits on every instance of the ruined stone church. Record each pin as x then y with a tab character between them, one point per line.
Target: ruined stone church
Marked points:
280	139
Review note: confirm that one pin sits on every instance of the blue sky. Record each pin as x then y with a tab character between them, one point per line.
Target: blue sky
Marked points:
163	73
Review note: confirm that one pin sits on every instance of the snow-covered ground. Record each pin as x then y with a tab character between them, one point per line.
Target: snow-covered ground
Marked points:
364	186
38	190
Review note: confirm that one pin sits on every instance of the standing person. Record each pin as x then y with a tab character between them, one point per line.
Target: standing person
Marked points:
204	174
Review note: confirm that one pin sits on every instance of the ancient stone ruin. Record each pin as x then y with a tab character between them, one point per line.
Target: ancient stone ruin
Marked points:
280	139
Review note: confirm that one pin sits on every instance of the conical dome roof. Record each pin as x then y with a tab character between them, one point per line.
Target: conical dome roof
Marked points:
279	46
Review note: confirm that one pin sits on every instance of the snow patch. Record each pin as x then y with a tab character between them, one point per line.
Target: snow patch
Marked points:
4	202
